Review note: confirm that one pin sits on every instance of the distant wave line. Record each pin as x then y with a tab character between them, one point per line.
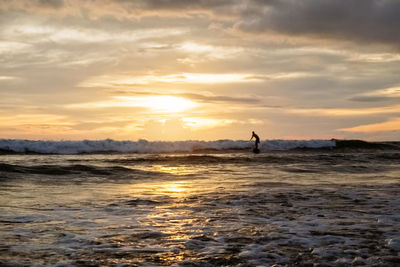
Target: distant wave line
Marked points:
144	146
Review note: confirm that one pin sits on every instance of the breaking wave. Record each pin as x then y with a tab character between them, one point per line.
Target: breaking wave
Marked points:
143	146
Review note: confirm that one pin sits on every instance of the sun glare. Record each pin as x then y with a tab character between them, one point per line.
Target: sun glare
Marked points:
168	104
163	104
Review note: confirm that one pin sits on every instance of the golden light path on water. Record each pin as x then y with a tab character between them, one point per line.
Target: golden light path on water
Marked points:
201	209
173	215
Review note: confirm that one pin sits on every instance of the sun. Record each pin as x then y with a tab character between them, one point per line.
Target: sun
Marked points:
159	103
167	104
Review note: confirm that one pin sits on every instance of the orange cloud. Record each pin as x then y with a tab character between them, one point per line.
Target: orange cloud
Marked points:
392	125
347	112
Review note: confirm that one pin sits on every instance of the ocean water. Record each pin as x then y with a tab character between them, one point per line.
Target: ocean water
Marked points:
216	208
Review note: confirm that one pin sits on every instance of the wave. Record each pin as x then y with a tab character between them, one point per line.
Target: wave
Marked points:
143	146
78	169
360	144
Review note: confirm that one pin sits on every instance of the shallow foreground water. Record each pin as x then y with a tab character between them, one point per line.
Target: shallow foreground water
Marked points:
231	209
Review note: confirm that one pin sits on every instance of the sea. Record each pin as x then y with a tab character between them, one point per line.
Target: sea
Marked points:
199	203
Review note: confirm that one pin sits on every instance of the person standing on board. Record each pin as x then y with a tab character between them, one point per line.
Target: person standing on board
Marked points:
257	139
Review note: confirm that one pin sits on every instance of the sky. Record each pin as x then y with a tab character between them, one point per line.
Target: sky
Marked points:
199	70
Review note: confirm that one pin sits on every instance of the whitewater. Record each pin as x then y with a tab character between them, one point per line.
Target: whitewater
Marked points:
144	146
199	203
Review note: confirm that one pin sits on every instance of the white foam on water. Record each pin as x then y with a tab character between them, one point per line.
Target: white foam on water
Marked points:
144	146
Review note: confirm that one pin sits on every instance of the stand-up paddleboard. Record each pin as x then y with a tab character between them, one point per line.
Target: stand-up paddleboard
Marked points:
256	150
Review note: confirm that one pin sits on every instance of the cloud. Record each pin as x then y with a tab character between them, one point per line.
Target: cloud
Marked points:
345	111
391	125
52	3
387	94
184	78
123	9
362	21
220	98
370	98
170	129
196	123
186	4
206	98
7	78
37	32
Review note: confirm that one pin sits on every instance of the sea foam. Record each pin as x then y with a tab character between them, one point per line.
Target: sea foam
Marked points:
143	146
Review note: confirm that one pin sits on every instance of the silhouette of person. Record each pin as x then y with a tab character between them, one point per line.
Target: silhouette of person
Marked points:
257	139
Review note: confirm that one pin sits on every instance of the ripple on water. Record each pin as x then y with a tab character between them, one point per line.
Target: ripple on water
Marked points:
244	217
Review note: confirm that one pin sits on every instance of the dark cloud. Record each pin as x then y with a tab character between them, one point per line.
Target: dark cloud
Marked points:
363	21
177	7
219	98
357	20
187	4
373	98
52	3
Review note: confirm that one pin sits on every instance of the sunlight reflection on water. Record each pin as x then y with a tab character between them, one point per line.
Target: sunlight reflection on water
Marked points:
205	214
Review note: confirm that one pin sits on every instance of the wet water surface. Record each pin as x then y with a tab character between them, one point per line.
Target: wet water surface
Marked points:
200	209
